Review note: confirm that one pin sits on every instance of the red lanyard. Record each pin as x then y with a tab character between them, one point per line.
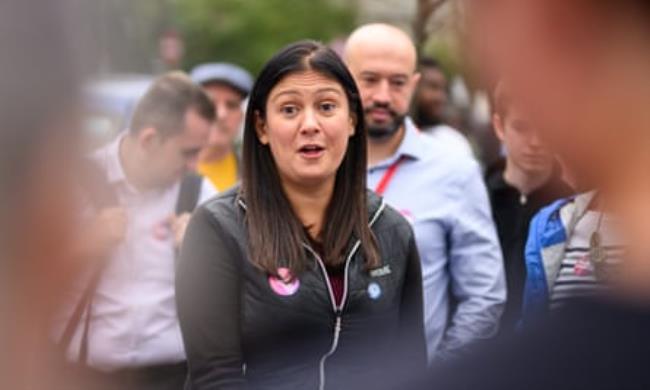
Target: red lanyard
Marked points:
388	176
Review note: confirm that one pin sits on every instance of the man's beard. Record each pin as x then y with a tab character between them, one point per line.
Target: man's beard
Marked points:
384	132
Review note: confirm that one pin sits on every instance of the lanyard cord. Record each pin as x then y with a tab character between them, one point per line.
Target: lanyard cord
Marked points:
388	176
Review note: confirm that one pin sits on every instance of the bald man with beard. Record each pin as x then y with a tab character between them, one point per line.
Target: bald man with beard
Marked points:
440	191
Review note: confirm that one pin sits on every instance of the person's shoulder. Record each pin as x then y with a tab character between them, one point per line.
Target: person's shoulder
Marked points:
224	207
99	156
494	176
451	138
105	157
445	154
385	217
451	166
448	137
208	190
548	223
557	206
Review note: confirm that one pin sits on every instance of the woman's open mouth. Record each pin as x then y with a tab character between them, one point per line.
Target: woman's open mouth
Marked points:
311	151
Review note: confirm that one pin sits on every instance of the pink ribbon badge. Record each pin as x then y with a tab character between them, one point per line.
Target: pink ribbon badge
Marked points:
582	266
285	285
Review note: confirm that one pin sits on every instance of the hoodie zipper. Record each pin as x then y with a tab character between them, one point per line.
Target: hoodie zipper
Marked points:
338	309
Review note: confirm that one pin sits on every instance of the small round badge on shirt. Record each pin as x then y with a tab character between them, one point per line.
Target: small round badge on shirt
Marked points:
284	284
161	231
583	266
374	290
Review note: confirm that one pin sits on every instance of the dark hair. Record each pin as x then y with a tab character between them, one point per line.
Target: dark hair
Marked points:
275	234
429	62
166	103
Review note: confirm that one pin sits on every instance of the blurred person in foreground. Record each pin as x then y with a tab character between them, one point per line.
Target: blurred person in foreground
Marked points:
519	185
121	330
581	67
430	102
440	191
40	142
300	278
228	86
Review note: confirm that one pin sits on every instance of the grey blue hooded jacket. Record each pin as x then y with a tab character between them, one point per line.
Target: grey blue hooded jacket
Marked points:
549	232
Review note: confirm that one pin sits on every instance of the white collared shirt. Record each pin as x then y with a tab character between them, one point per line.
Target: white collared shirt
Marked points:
134	321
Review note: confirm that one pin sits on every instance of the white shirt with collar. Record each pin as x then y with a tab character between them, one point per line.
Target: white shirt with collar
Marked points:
134	321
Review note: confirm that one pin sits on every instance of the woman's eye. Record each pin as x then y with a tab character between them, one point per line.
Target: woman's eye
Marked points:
288	110
328	107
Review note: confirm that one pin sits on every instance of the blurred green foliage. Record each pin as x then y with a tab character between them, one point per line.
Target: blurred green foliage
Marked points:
446	52
249	32
126	33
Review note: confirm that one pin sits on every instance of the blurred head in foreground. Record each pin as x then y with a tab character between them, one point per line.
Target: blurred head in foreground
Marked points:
581	69
38	151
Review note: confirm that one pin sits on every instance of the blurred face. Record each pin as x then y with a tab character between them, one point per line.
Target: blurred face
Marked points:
431	95
169	158
307	127
228	103
386	80
524	147
581	69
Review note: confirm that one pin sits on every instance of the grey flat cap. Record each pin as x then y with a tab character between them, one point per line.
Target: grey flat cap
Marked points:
229	74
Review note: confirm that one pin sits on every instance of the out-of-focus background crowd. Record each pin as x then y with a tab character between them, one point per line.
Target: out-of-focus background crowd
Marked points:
136	41
541	102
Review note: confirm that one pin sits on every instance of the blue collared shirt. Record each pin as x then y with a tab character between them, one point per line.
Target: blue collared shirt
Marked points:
442	193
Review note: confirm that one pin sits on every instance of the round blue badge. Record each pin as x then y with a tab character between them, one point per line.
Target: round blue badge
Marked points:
374	291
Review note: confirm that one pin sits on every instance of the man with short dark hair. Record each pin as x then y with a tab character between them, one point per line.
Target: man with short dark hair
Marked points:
429	104
228	85
527	179
129	337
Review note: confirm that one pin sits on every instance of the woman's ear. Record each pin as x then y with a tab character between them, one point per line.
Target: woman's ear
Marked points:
260	129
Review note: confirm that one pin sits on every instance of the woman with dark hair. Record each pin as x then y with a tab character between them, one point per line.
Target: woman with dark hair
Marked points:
296	278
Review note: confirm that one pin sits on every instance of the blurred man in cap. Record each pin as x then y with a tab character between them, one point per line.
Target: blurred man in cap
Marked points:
228	85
